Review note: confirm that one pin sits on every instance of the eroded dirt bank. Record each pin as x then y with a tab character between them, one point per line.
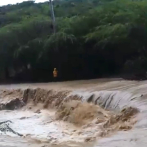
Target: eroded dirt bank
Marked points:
82	113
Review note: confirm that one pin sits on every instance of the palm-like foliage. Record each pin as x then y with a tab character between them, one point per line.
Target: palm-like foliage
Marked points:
92	37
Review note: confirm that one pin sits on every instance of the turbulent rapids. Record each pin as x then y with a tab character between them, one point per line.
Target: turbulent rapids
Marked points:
94	113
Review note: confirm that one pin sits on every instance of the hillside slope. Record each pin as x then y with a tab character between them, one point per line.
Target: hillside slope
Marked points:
93	39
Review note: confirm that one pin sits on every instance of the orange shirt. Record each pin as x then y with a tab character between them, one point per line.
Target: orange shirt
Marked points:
55	73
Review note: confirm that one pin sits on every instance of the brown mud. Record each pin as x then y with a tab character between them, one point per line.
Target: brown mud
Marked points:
70	108
81	113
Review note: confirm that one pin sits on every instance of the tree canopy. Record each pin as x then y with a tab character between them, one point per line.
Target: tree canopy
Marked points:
93	38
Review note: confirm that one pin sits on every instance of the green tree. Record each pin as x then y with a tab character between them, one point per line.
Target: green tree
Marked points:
93	39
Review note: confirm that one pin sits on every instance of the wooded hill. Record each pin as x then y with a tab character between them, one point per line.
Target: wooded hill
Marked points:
93	39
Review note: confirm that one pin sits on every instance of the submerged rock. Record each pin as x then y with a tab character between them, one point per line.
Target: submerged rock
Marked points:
12	105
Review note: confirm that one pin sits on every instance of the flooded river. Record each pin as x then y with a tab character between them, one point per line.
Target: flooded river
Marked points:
40	128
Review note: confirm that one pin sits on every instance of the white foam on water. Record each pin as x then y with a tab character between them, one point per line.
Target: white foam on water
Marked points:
112	95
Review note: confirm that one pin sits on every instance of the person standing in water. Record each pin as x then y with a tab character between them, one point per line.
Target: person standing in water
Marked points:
55	74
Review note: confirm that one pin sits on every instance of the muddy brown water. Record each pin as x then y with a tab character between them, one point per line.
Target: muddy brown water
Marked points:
112	94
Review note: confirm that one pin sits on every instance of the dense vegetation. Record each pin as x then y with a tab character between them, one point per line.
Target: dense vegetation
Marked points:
93	38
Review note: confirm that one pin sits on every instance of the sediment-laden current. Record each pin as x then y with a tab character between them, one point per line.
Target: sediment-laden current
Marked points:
92	113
